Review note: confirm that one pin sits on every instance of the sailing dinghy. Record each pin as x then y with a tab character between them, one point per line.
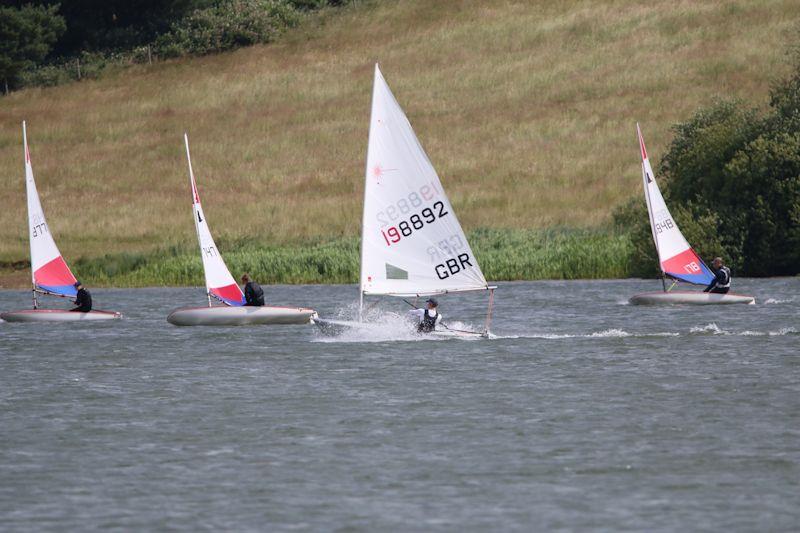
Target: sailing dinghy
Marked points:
412	244
221	286
676	257
50	274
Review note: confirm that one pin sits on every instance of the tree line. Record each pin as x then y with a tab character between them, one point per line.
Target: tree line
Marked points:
49	33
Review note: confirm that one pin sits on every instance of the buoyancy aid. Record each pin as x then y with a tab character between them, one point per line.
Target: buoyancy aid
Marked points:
428	322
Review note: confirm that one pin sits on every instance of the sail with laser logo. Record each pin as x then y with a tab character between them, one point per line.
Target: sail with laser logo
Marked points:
412	242
676	257
50	272
219	282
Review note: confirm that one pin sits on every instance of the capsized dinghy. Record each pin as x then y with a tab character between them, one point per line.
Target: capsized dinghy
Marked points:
50	274
676	257
221	286
412	244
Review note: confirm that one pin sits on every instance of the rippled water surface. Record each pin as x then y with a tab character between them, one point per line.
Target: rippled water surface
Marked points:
583	413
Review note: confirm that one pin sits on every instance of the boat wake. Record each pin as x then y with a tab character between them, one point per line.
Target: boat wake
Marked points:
387	326
708	329
773	301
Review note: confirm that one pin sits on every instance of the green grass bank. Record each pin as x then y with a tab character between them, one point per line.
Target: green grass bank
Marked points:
504	254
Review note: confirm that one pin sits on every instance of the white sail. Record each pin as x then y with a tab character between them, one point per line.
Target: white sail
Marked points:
49	271
675	255
412	242
219	282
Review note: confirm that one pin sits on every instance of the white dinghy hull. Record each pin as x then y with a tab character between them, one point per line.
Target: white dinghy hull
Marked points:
689	297
57	315
239	316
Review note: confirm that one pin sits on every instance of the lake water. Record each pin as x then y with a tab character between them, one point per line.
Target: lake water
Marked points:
583	413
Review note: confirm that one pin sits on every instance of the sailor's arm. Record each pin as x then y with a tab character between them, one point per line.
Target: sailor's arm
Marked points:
416	313
718	276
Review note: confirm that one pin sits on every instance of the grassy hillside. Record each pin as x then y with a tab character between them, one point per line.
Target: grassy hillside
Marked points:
527	110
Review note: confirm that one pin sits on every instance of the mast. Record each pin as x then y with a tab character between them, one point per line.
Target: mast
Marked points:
643	152
26	155
195	201
364	202
489	311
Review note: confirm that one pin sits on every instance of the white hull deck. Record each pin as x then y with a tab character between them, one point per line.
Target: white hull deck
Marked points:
690	298
337	327
239	316
57	315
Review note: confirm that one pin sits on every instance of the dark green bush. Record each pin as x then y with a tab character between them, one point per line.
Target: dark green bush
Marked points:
90	65
27	34
227	25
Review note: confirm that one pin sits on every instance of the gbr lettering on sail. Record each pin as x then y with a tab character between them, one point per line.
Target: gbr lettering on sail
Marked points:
406	217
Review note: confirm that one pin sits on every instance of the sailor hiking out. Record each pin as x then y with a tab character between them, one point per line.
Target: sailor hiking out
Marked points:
428	317
721	283
253	293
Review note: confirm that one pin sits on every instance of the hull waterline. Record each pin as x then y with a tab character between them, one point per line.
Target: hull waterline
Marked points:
57	315
240	316
690	298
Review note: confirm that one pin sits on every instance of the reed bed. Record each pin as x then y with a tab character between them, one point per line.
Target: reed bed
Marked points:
504	254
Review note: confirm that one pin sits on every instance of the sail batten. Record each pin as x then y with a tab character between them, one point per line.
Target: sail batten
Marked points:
219	281
676	257
412	243
49	271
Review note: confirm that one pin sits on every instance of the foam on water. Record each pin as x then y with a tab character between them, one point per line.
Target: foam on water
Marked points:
711	328
387	326
708	329
778	301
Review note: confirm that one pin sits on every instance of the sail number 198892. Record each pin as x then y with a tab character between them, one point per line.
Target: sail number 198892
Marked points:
416	221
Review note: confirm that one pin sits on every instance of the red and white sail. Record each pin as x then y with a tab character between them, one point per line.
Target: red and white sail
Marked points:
677	259
50	272
219	281
412	243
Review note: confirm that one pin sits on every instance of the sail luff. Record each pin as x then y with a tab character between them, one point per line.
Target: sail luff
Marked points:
364	202
27	158
195	203
643	153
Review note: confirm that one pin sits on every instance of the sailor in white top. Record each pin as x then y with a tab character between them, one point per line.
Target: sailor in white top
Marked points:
428	317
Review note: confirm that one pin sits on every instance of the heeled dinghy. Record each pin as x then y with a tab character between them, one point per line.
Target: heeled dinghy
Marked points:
676	257
50	274
412	244
221	286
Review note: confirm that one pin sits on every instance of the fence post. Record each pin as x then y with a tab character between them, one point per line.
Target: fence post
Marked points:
149	56
78	63
6	82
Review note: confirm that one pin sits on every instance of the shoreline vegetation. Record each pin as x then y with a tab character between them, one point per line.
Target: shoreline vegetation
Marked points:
504	255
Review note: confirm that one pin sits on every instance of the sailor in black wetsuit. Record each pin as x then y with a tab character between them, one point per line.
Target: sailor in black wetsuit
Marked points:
83	300
253	293
427	317
721	283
